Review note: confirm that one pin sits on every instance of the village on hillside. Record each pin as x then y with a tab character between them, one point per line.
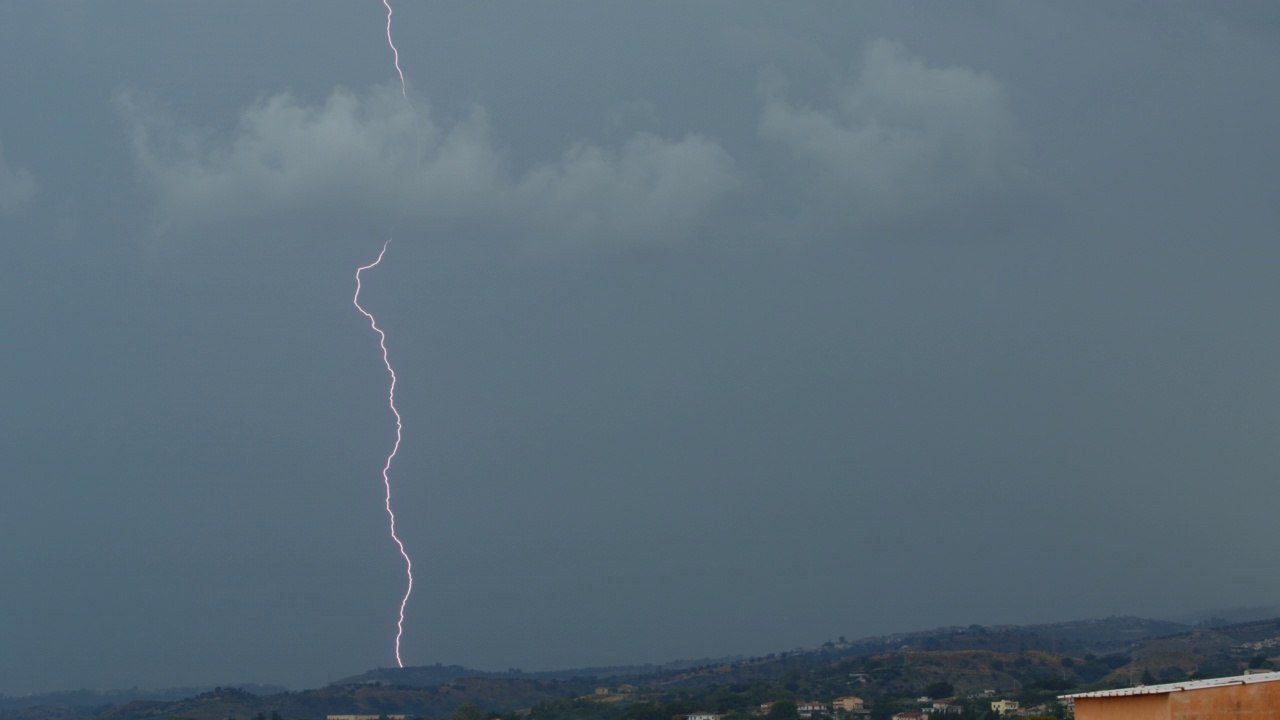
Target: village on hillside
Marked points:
852	707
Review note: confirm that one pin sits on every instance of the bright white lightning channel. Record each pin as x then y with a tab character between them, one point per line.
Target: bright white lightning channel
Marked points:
395	53
386	468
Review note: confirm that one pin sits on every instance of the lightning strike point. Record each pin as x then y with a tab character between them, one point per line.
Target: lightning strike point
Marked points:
386	468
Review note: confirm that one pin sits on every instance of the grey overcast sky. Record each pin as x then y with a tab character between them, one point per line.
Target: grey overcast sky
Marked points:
722	327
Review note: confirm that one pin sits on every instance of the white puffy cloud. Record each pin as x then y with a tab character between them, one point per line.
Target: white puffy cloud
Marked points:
376	152
17	186
901	137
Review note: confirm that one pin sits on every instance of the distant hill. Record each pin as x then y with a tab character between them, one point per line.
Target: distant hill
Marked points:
346	700
223	703
436	675
1032	663
101	698
1207	651
1083	637
1227	616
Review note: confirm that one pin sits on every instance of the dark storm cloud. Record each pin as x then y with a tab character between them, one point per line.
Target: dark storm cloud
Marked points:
859	318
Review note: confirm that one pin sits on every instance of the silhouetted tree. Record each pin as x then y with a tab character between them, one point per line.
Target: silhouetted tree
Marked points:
467	711
783	710
940	689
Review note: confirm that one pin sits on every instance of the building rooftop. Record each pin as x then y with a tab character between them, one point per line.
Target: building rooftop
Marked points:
1179	686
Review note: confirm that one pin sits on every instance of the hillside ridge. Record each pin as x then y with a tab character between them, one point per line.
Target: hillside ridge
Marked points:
1034	662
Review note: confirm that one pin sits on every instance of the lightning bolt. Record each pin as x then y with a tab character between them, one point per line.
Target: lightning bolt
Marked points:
386	481
403	91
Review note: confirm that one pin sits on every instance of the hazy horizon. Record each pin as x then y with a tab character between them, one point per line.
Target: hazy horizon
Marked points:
1232	614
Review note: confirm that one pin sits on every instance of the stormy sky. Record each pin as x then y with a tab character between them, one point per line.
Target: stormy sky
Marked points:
721	327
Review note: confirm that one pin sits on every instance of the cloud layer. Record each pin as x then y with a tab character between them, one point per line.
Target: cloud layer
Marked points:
901	136
900	139
377	152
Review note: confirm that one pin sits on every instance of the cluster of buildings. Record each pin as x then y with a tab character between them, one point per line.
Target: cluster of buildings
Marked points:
927	709
931	708
1252	696
1011	708
849	705
856	707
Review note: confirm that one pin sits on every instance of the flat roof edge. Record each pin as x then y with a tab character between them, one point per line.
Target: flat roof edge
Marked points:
1178	687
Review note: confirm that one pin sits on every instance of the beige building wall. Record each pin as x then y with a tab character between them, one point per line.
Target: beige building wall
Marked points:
847	704
1127	707
1255	701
